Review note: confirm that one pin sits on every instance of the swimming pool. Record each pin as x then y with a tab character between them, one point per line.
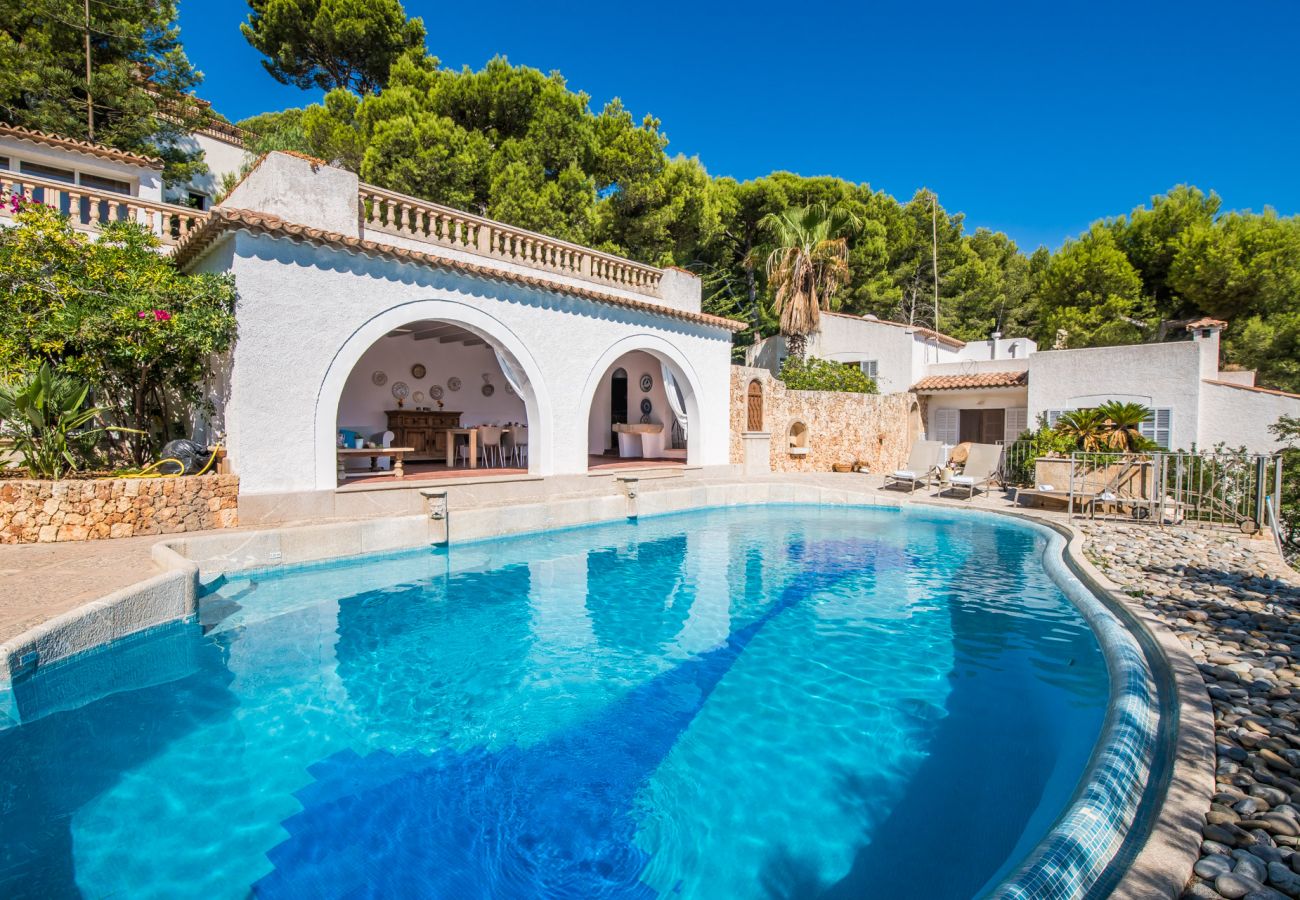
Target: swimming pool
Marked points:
782	700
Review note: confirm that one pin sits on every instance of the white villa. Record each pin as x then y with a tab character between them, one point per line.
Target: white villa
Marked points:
370	319
989	391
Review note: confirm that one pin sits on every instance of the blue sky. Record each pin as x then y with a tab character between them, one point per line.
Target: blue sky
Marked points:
1033	118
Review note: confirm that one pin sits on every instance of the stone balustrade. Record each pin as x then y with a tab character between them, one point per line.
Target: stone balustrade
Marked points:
398	214
89	208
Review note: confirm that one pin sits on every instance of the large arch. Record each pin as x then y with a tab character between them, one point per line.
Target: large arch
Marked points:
682	370
491	329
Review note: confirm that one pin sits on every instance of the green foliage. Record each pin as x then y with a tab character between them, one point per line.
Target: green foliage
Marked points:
813	374
43	76
1086	428
45	416
1124	426
1092	296
1042	440
1287	429
808	261
115	313
330	44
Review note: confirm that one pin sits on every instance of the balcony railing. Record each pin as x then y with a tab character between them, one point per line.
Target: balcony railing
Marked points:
397	214
89	208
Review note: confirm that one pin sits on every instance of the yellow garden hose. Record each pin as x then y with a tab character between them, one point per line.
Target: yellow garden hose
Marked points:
148	471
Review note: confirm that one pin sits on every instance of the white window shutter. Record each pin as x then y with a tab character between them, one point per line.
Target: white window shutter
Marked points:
946	424
1159	426
1017	422
870	367
1053	415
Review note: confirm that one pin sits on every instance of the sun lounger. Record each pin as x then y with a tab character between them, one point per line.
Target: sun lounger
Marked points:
982	466
922	465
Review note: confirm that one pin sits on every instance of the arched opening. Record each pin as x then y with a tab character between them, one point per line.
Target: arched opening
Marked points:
638	414
433	398
754	407
798	439
915	426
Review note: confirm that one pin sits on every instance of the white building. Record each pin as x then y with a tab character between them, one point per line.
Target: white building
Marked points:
345	290
992	390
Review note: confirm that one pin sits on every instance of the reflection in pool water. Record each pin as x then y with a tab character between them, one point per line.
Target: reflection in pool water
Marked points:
782	701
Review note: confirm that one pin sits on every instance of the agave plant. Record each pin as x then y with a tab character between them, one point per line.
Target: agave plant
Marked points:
1088	429
45	418
1124	425
809	263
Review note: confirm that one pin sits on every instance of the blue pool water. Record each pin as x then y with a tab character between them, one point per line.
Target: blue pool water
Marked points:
782	701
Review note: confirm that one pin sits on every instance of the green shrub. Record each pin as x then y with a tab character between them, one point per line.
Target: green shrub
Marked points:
45	417
814	374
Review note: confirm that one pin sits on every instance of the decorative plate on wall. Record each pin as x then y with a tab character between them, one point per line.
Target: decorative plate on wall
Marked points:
401	390
488	390
417	398
436	392
453	383
418	370
647	382
646	405
378	378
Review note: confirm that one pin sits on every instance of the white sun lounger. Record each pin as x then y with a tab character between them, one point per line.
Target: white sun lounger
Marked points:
922	465
981	468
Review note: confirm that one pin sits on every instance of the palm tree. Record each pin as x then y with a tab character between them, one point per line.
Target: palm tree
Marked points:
809	262
1088	428
1124	425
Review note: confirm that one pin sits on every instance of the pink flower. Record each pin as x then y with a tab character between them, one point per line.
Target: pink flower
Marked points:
142	315
161	315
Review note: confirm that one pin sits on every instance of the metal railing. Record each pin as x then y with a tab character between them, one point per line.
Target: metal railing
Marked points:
1225	488
88	208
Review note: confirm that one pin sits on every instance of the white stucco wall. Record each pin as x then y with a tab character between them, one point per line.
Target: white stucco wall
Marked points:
1155	375
308	315
364	404
1002	348
636	363
1237	417
221	157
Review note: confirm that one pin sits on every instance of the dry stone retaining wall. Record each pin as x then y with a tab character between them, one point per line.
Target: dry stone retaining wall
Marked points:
842	427
42	512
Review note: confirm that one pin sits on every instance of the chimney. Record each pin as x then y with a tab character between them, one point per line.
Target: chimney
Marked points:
1205	332
993	344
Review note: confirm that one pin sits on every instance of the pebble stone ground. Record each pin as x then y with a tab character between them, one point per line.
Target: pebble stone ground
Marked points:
1236	608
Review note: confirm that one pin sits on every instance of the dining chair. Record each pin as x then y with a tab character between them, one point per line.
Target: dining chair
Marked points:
520	439
489	444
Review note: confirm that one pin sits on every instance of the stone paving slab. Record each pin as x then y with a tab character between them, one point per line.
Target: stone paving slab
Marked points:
41	581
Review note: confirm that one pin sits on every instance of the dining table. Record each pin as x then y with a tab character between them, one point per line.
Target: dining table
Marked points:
472	435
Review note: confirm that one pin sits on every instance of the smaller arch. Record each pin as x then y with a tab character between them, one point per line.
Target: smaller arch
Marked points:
798	439
754	406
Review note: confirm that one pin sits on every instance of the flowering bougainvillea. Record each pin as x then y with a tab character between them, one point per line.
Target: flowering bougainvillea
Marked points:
115	312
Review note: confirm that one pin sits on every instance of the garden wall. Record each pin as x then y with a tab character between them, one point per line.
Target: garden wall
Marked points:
877	429
42	512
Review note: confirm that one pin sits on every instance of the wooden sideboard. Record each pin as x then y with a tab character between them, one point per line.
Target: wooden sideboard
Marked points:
422	430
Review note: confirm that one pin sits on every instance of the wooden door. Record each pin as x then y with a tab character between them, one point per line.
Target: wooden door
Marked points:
754	407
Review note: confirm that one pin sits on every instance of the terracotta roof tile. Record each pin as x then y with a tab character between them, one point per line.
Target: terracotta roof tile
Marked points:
1250	387
77	146
1207	322
225	219
974	380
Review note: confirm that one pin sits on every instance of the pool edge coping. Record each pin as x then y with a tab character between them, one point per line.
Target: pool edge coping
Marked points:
1160	867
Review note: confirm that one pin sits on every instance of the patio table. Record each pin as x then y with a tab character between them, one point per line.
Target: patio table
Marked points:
374	453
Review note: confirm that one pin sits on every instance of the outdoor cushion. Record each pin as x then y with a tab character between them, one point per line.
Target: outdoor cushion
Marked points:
963	479
904	473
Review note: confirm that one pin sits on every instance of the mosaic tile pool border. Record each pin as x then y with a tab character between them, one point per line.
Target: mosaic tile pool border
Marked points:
1092	845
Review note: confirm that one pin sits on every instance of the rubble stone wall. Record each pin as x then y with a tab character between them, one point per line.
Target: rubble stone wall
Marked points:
42	512
876	429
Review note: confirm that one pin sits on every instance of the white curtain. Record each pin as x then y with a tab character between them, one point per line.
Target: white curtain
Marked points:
675	399
514	375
